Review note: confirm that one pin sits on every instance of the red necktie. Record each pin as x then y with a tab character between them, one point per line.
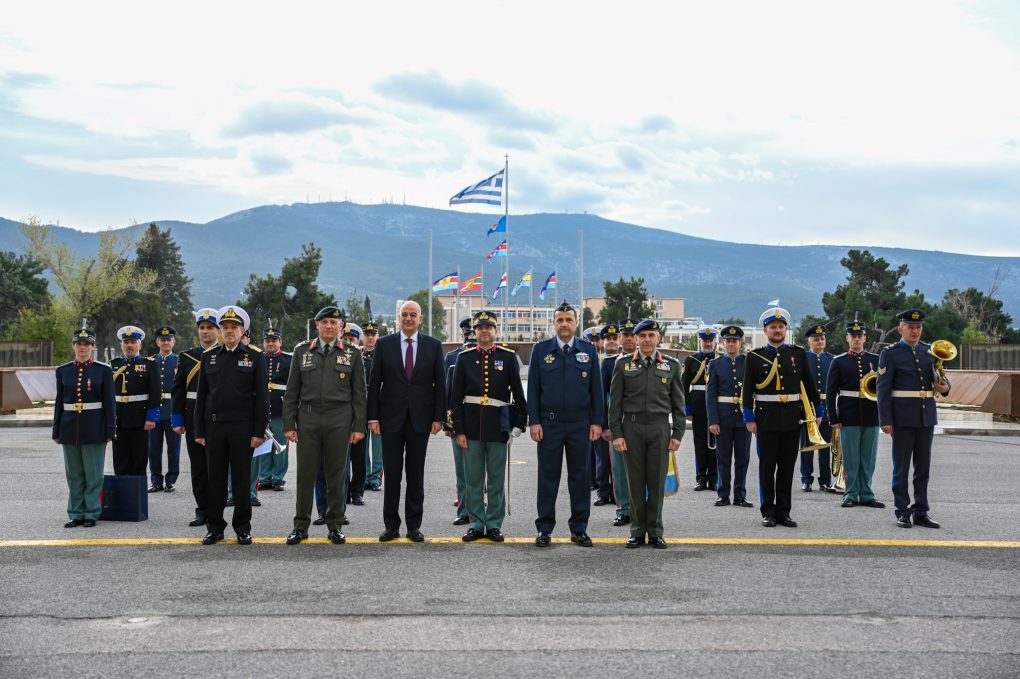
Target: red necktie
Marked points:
409	359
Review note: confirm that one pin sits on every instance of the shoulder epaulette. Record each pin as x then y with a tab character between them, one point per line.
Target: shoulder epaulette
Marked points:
287	353
506	348
215	346
150	358
302	344
252	347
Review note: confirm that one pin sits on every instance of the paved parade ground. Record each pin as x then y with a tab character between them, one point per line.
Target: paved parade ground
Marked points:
848	593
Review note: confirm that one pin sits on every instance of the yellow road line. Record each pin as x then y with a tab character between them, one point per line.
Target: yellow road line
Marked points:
806	542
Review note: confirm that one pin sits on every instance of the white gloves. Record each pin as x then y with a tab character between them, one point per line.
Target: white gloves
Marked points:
516	431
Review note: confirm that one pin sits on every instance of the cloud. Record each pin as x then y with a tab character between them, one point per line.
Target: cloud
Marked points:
18	80
511	140
655	124
472	98
269	163
291	116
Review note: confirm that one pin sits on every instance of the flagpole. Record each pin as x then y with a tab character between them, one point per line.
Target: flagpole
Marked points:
506	218
531	305
581	284
456	306
429	288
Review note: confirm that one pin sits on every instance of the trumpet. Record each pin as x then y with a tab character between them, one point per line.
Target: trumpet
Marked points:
817	442
711	441
836	464
942	350
869	387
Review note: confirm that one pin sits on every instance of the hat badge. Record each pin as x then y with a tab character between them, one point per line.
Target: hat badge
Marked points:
165	332
230	313
915	315
819	329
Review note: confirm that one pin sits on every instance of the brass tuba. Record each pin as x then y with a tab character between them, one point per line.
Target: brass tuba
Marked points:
942	350
869	386
836	464
813	432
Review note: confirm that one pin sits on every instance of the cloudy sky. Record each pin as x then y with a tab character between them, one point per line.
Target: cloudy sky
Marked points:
885	123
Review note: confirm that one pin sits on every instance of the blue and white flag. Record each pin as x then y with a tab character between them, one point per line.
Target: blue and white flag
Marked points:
498	227
502	284
525	282
488	191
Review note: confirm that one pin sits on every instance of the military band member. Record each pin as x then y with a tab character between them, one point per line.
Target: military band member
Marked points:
373	442
184	392
854	418
695	378
323	414
725	421
646	415
907	384
818	363
137	391
84	420
486	385
566	405
355	473
166	360
449	362
273	466
231	416
773	376
611	340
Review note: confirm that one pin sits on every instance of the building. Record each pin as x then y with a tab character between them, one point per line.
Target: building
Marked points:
517	323
666	308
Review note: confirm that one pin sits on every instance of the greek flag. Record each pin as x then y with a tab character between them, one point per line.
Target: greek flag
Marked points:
488	191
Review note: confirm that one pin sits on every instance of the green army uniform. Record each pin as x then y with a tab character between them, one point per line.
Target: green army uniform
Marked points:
644	393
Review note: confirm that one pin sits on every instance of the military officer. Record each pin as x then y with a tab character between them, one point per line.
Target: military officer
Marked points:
449	362
600	449
231	417
695	377
84	416
775	377
644	397
273	466
138	389
611	341
818	363
853	417
725	422
373	442
907	384
166	360
355	473
566	405
486	385
323	414
183	394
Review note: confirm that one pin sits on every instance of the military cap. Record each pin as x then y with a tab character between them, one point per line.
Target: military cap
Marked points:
369	328
235	314
648	324
246	333
483	318
707	333
353	329
207	315
130	332
590	334
732	332
915	316
330	312
165	332
609	329
856	328
774	314
816	331
272	332
84	335
628	325
565	306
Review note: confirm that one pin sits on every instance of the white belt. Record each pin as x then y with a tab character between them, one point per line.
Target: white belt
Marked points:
192	394
278	387
78	407
851	394
164	395
913	394
777	398
729	399
133	399
698	387
484	401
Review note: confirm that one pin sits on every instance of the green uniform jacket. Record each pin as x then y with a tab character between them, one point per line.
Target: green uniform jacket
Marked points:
325	383
639	390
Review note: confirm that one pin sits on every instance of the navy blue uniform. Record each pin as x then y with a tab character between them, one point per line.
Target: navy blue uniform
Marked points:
845	374
449	363
137	391
164	427
565	396
85	383
694	377
818	366
273	466
183	396
722	403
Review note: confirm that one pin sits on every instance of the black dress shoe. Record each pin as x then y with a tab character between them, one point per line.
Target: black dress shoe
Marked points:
657	543
255	502
722	502
904	522
622	520
336	537
874	503
473	534
787	521
806	487
849	503
635	542
461	520
296	536
602	501
230	503
543	540
415	535
90	523
319	521
742	503
212	538
375	487
702	485
494	534
926	521
169	488
197	521
768	522
357	500
74	523
824	486
278	486
345	522
388	535
155	489
581	539
244	538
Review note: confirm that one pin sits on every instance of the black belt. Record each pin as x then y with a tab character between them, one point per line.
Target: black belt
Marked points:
563	417
646	418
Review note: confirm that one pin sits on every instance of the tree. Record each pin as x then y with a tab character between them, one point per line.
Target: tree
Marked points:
981	310
732	321
626	299
971	335
290	299
42	325
357	310
438	316
588	318
23	288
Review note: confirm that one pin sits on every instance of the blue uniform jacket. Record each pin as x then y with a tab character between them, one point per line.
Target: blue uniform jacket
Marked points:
565	388
608	364
88	382
818	365
278	367
901	368
725	376
845	374
167	371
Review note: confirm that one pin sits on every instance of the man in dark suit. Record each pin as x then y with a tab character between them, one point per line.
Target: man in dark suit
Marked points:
406	403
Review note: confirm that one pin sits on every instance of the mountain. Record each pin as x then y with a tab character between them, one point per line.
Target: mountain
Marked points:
382	251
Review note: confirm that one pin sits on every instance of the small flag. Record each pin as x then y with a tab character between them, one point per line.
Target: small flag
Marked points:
498	227
502	284
550	284
473	284
498	251
525	282
488	191
672	479
774	302
447	282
